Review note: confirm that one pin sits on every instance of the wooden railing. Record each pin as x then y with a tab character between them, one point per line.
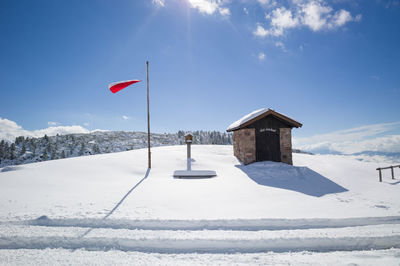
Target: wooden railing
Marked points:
383	168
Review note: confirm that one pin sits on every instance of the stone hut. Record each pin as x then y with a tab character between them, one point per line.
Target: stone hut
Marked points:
263	135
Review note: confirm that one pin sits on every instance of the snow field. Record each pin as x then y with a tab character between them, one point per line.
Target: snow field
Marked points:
103	206
90	187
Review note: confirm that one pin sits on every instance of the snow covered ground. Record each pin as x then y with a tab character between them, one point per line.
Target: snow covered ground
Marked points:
107	209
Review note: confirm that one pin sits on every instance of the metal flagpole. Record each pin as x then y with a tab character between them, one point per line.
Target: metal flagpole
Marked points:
148	116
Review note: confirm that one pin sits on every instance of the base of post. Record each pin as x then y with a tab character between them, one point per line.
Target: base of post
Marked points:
194	173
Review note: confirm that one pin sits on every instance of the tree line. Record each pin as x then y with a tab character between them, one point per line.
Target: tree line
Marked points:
29	149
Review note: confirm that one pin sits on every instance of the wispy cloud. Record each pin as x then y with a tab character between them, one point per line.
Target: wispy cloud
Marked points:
391	3
316	15
261	56
159	3
53	123
125	117
267	3
9	130
377	137
281	45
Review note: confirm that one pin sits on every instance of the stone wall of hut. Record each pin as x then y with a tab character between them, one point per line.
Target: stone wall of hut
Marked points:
286	145
244	145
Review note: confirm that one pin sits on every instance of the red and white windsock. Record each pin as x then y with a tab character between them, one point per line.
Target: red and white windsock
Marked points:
117	86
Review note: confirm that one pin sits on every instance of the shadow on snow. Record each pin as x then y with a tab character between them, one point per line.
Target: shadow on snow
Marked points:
120	202
295	178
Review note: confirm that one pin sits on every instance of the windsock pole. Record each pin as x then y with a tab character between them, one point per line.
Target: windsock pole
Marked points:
148	117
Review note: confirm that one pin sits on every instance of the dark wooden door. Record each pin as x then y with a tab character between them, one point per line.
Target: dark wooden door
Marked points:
268	145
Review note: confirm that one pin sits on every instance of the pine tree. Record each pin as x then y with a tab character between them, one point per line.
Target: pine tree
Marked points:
23	149
63	154
19	140
181	133
55	150
2	152
33	145
82	150
96	149
71	149
12	152
6	150
47	151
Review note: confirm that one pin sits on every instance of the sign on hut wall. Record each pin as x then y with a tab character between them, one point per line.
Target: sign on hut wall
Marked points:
267	129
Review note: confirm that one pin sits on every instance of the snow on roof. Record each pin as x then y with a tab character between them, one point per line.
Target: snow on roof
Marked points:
247	118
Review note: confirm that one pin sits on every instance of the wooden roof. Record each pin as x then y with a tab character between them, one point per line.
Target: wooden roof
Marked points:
259	114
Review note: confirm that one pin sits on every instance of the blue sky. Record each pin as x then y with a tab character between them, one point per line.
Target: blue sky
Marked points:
332	65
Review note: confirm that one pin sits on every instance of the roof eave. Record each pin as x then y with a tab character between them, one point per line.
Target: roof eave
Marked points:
288	120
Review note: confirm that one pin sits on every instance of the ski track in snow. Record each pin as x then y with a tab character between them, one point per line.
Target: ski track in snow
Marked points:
213	236
223	224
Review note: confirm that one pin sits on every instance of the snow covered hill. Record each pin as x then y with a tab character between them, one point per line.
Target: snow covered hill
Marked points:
28	150
110	207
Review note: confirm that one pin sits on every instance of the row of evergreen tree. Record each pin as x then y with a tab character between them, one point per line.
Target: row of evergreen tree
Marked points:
28	149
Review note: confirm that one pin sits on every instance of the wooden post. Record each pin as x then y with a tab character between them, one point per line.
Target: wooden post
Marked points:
391	167
189	140
380	174
189	157
148	117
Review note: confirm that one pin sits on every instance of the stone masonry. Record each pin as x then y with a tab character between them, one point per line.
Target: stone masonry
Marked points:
286	145
245	145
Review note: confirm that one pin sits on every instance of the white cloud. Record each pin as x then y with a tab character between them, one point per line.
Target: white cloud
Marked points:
209	7
53	123
316	15
125	117
9	130
245	11
204	6
260	31
261	56
160	3
374	137
341	17
282	18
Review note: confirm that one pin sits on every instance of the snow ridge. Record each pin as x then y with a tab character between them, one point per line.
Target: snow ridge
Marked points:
163	240
204	246
223	224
